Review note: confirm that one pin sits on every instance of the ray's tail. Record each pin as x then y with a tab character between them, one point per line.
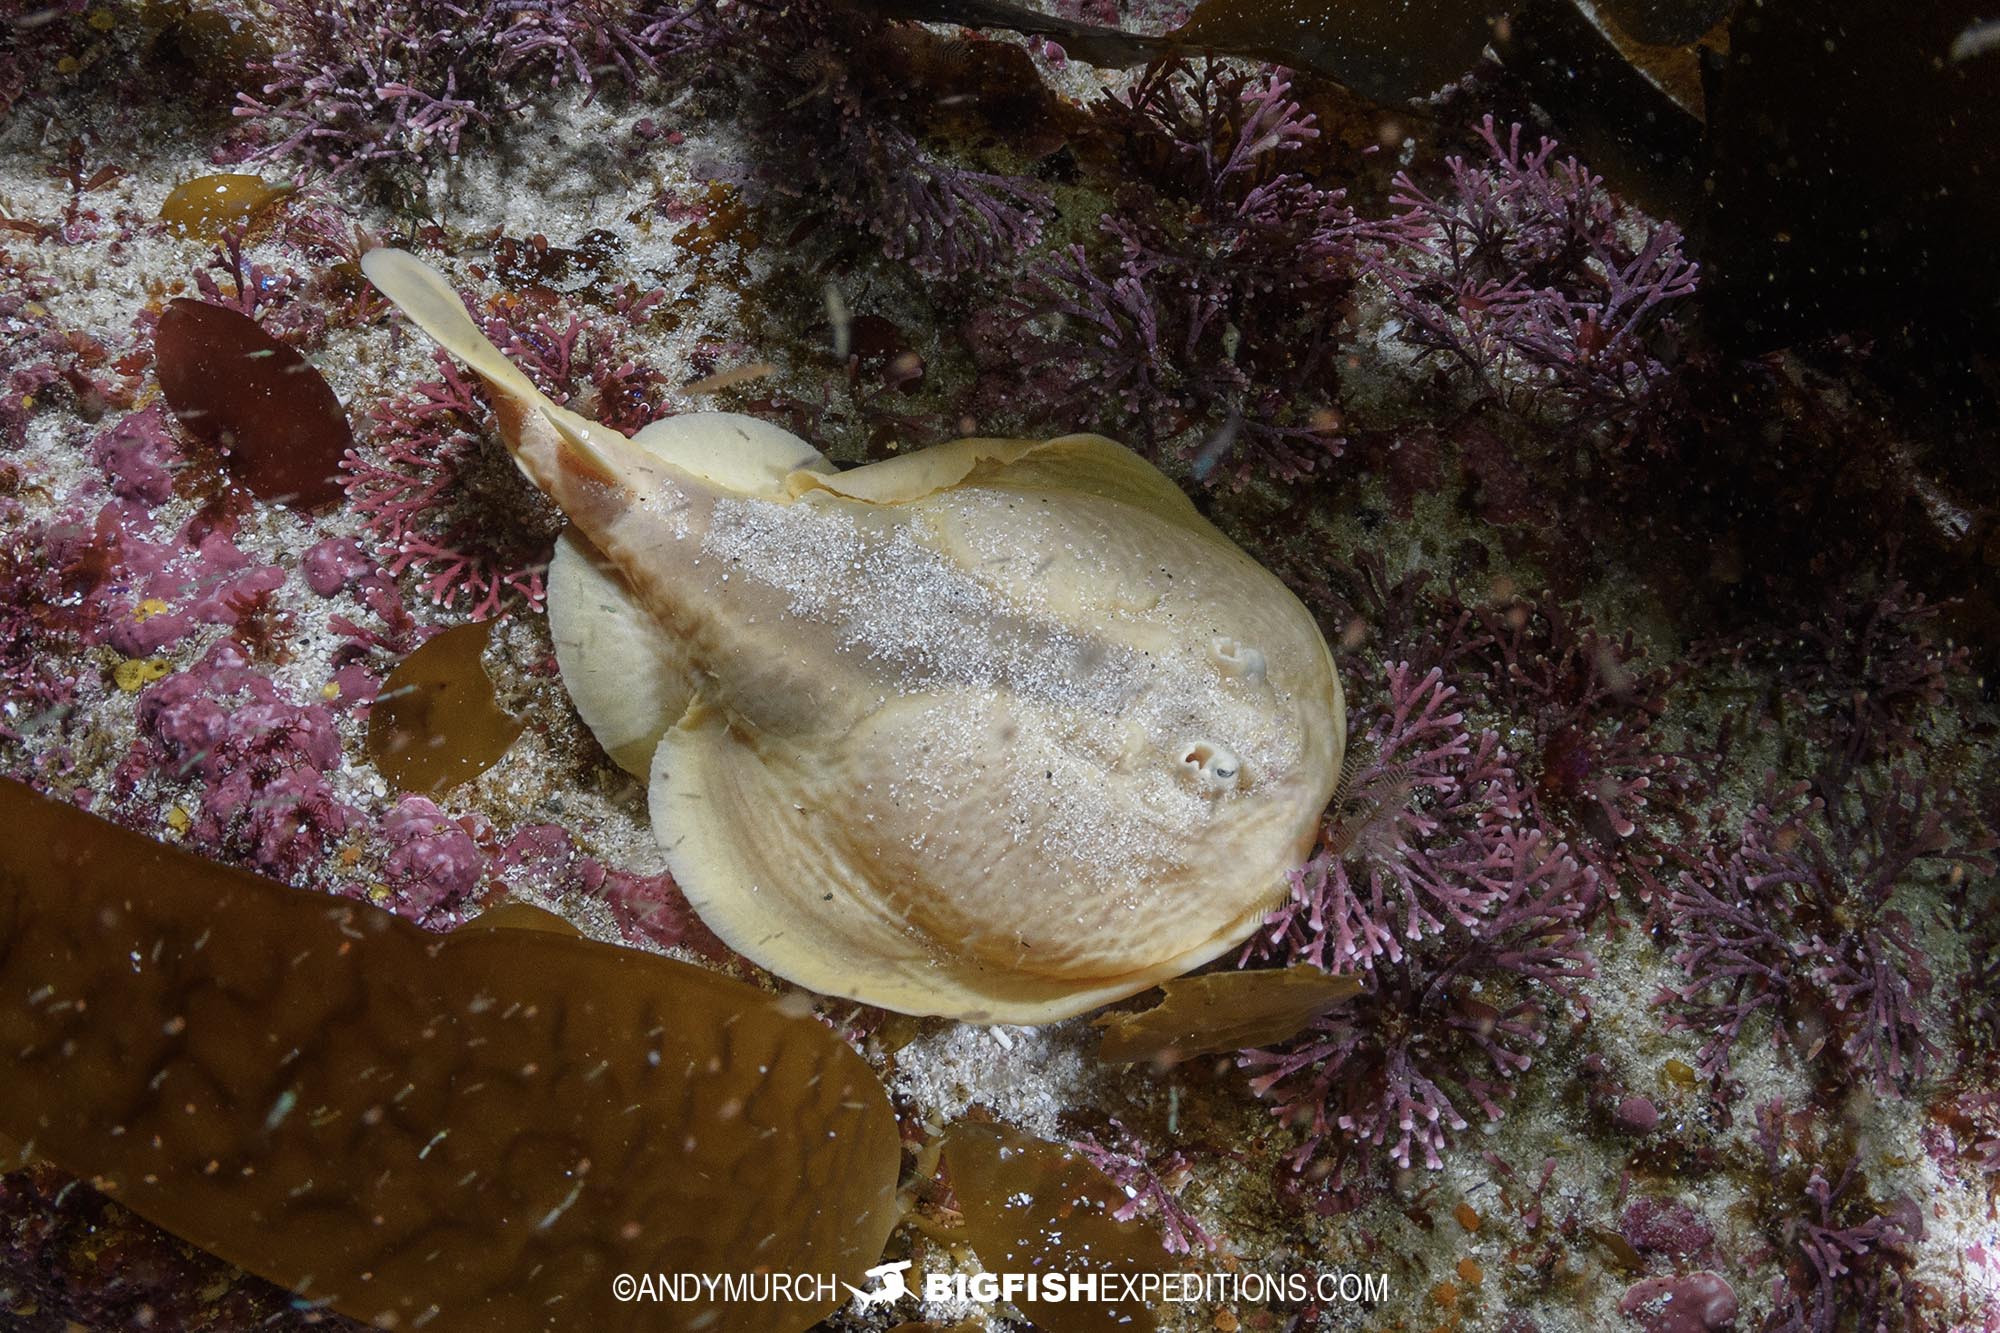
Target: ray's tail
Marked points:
423	294
555	447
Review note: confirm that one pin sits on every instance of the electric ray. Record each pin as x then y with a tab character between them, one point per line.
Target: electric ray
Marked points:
1001	730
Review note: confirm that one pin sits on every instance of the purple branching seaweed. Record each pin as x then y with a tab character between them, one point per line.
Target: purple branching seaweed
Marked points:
1843	1255
1594	765
1462	917
1392	1070
1792	918
1867	669
35	38
1415	813
1579	706
406	484
47	575
372	82
271	298
827	94
1152	1183
944	219
1737	948
1217	307
1527	274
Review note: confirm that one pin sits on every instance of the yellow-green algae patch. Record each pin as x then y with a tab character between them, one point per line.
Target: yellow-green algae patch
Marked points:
471	1131
207	206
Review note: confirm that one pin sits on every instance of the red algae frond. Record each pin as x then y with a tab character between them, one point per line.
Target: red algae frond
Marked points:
234	385
458	1132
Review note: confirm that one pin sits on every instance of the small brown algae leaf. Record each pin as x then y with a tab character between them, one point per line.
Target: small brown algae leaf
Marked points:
1387	51
1031	1206
206	206
1222	1011
475	1131
275	418
1001	730
436	723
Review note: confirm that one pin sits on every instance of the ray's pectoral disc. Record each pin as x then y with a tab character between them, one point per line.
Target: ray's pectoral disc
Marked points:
1002	730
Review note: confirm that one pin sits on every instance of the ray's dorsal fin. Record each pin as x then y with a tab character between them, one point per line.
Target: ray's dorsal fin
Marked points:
588	456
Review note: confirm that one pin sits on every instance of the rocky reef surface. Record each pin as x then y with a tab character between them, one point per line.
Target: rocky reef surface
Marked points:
1660	573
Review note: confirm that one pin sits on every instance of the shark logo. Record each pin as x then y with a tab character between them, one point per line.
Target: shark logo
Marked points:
891	1290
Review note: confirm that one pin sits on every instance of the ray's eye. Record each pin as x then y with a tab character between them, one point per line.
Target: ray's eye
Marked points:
1216	765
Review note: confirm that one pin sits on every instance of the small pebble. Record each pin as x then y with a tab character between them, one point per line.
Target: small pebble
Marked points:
1638	1114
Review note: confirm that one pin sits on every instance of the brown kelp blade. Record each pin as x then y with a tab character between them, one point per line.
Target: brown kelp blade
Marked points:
277	421
1035	1207
473	1131
1386	51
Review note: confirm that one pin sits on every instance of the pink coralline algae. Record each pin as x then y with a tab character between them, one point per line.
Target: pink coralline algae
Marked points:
1522	275
139	455
433	862
1668	1227
1697	1303
276	299
157	591
333	565
648	909
102	572
254	763
1581	710
439	869
1637	1115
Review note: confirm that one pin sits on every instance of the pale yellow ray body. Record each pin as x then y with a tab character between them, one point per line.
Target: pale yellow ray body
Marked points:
1001	730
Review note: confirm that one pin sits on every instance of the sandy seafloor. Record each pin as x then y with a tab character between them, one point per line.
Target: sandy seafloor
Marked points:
566	165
